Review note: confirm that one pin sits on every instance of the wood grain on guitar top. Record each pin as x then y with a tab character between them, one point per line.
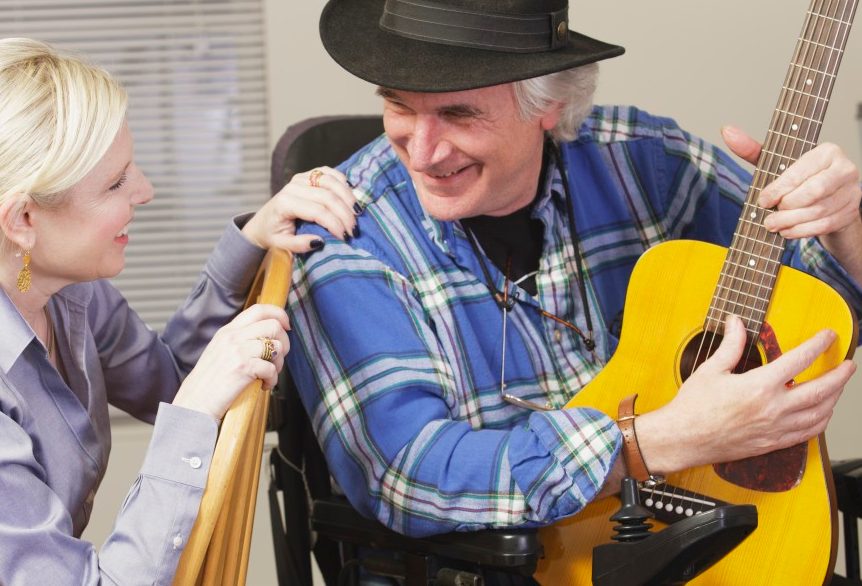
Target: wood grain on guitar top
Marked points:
794	541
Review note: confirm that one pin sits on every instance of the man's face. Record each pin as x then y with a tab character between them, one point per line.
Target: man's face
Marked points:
469	153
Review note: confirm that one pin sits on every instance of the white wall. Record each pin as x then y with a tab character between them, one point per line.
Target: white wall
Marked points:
704	63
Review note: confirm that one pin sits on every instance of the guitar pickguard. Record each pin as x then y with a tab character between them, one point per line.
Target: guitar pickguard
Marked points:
776	471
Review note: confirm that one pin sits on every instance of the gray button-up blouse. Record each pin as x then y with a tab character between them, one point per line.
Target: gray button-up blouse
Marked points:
55	438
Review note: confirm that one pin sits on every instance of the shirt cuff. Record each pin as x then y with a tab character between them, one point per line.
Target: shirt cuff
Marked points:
182	446
234	261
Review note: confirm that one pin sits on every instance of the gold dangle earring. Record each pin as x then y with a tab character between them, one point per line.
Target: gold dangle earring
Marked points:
24	275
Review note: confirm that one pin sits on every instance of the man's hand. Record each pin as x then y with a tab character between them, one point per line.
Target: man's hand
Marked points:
817	196
719	416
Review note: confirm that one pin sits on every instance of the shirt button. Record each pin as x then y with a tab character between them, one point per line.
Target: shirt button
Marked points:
178	540
195	462
558	335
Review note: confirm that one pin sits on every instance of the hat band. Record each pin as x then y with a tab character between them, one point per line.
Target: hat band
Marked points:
434	22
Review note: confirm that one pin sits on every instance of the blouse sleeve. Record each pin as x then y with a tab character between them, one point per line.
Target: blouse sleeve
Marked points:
38	545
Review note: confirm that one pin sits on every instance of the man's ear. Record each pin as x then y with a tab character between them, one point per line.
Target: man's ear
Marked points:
551	117
15	222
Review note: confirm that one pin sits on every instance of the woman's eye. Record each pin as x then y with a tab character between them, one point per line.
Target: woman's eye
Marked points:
118	184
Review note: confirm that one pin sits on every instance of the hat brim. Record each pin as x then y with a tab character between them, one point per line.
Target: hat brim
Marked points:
351	35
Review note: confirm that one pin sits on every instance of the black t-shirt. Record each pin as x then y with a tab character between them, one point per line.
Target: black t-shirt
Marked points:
516	237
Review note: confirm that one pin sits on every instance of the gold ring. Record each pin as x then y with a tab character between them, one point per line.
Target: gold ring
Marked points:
314	177
268	349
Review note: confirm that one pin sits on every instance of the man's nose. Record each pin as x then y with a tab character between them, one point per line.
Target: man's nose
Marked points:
427	145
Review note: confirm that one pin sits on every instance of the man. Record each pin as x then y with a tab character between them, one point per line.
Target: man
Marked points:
436	349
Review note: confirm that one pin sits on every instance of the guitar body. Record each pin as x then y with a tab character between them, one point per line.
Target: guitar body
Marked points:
667	299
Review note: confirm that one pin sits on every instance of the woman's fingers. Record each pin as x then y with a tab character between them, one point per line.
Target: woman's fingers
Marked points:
259	312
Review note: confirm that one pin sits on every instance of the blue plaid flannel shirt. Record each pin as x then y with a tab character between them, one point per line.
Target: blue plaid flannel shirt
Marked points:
396	341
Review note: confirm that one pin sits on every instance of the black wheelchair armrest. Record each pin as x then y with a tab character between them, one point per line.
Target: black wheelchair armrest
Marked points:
848	489
513	550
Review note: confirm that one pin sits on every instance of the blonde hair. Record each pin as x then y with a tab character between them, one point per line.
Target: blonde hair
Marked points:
573	88
58	117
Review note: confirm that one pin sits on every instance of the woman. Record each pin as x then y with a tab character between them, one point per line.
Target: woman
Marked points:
69	189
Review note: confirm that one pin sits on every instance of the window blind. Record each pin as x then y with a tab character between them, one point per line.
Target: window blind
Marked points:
196	77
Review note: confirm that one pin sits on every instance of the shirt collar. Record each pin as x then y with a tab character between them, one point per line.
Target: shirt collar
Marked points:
17	333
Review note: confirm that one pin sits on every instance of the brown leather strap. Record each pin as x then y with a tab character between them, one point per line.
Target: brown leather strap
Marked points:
631	450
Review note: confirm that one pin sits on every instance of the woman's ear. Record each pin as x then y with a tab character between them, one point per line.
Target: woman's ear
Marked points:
15	222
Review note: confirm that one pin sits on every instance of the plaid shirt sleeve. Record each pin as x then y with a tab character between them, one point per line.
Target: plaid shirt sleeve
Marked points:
381	396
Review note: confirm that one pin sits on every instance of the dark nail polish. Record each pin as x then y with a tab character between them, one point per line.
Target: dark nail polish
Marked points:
350	183
317	244
347	237
357	209
356	231
274	353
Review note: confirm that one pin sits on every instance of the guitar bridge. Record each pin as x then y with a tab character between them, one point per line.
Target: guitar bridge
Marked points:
670	503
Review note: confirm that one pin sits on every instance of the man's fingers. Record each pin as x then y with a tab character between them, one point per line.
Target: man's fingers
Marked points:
787	366
729	352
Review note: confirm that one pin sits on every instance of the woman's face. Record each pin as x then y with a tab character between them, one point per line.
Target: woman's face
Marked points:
85	237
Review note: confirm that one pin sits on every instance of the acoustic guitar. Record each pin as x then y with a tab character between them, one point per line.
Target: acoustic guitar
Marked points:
678	298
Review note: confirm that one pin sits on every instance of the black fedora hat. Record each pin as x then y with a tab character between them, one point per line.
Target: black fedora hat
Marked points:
452	45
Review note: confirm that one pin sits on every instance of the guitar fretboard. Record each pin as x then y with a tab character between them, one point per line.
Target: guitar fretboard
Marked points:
754	256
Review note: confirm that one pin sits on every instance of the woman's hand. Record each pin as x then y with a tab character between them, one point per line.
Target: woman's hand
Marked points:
233	359
719	416
322	196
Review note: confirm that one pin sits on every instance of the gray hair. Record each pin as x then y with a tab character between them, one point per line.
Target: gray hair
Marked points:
573	88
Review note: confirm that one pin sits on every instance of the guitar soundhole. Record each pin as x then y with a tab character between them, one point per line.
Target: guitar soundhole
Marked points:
704	345
773	472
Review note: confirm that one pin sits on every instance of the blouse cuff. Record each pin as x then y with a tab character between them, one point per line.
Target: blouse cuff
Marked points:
234	261
182	446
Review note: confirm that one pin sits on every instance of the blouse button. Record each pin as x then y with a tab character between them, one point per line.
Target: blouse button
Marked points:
195	462
558	335
178	540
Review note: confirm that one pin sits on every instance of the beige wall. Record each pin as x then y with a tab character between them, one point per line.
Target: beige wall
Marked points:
704	63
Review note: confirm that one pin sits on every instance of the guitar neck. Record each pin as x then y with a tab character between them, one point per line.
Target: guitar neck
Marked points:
754	256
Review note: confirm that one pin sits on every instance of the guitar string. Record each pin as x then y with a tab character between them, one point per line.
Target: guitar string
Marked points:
748	282
785	139
779	145
728	292
778	149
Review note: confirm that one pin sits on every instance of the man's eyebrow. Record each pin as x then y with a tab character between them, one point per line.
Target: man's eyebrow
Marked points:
387	94
455	109
460	111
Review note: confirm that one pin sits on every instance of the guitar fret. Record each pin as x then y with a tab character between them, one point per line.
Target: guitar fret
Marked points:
798	115
720	321
776	247
769	173
779	155
752	265
720	315
796	138
746	312
830	47
827	17
815	70
804	93
756	298
754	239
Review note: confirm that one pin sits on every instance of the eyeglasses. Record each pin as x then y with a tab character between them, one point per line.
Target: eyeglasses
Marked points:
506	304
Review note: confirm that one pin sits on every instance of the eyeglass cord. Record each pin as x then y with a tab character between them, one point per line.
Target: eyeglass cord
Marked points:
502	299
